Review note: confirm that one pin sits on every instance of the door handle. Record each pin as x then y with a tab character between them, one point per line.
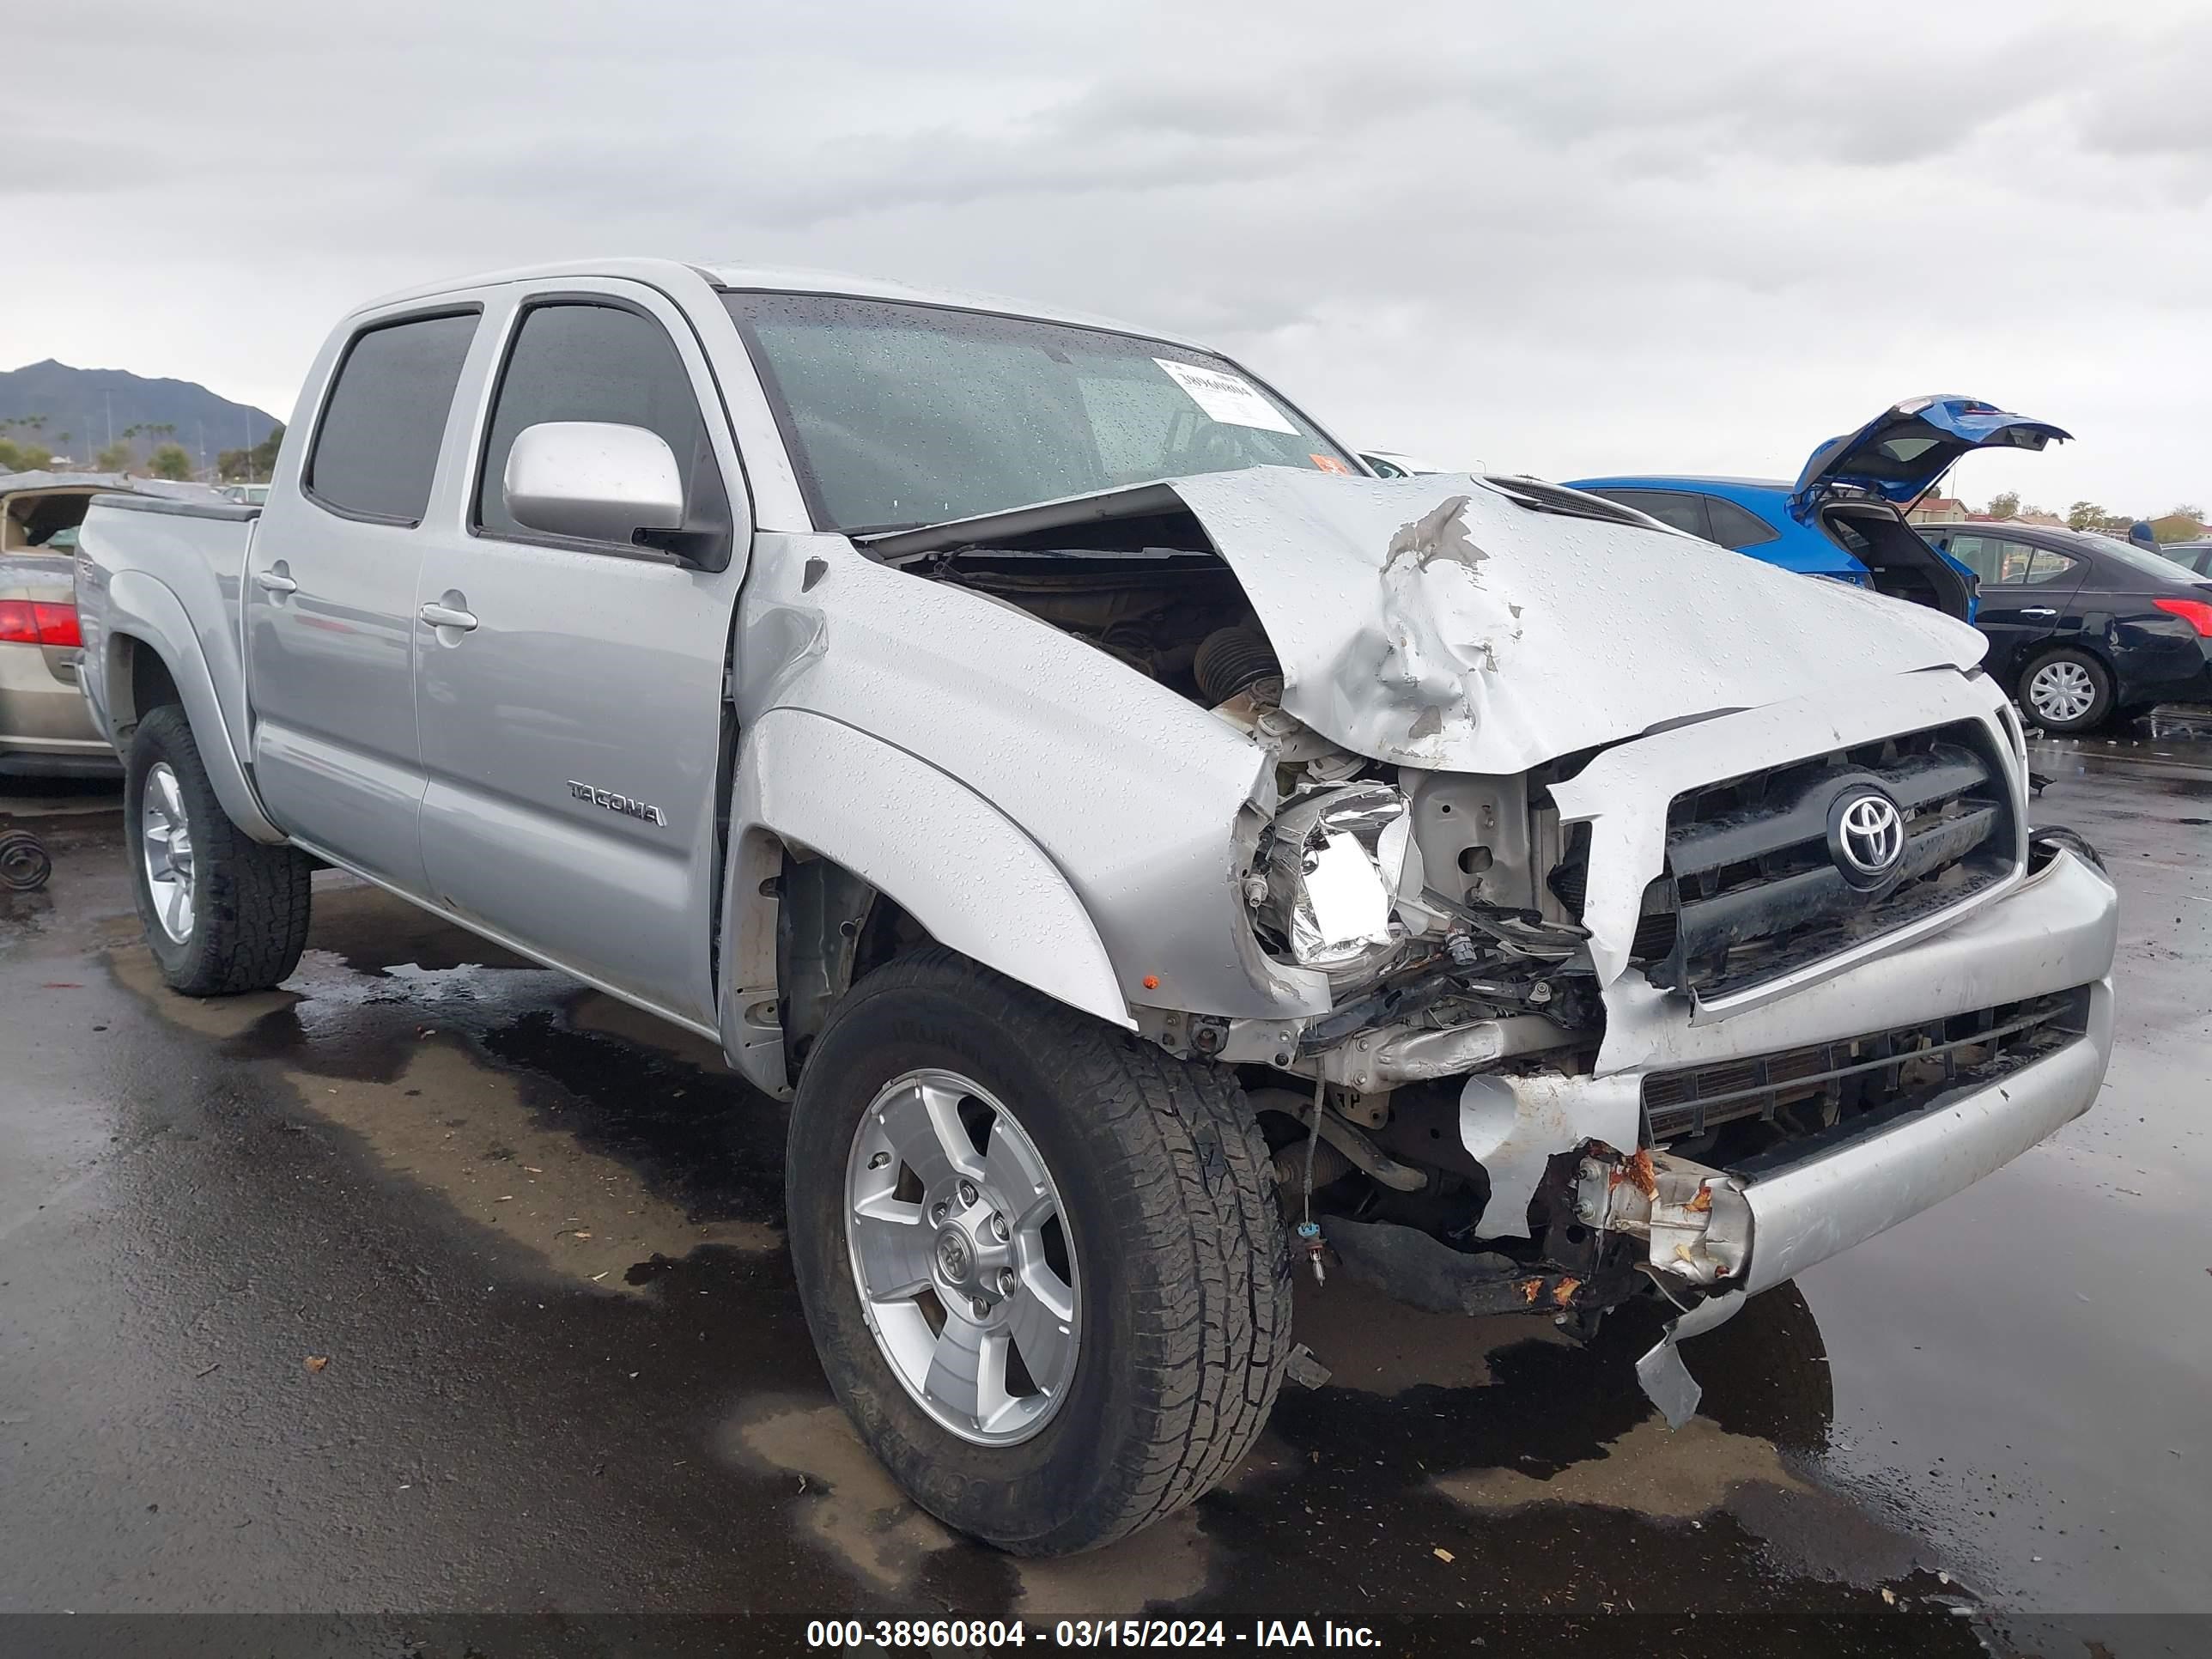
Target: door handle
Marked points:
276	581
2039	610
446	616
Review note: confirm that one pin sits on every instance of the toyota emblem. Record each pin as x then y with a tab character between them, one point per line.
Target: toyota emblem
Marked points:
1869	837
954	1259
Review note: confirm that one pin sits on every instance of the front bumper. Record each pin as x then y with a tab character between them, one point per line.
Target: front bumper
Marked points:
1735	1236
2055	932
1810	1211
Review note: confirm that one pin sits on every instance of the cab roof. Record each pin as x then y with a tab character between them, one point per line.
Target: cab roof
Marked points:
667	273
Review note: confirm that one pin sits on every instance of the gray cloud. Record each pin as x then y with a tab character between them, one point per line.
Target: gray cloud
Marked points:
81	166
1559	238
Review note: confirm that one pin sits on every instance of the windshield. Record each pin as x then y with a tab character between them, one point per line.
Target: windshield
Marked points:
899	414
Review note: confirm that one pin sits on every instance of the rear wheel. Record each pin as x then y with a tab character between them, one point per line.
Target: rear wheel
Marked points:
2067	690
223	913
1040	1259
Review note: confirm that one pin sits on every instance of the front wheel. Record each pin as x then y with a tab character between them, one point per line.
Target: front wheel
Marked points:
223	913
2067	690
1040	1258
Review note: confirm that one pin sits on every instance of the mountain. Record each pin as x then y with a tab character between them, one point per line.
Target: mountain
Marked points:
89	404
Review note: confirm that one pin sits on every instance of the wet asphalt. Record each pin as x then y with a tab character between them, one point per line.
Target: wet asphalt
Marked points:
435	1282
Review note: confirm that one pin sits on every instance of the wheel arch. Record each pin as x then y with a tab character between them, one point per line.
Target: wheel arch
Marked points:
2089	645
150	649
953	865
2034	656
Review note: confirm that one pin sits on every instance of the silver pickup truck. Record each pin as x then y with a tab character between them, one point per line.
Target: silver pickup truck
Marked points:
1153	856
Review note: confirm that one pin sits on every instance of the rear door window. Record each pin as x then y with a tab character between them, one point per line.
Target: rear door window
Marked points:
572	361
1670	506
2045	566
384	421
1733	527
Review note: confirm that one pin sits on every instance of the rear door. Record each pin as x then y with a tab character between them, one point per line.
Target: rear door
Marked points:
329	600
573	721
2024	591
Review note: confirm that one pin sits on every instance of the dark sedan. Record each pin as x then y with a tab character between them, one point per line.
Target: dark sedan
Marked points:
2082	627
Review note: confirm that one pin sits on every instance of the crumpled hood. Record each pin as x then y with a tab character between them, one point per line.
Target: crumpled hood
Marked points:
1434	621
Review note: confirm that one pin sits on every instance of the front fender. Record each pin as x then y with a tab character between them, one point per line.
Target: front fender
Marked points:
142	613
955	863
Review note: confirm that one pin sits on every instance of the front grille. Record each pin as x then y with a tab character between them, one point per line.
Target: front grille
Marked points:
1754	889
1829	1083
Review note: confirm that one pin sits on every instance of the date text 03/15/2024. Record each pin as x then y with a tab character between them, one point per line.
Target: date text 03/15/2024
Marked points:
895	1633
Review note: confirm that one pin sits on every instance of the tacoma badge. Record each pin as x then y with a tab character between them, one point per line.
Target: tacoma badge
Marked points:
614	802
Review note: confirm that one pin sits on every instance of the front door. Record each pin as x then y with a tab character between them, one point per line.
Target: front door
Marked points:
571	692
2025	589
329	603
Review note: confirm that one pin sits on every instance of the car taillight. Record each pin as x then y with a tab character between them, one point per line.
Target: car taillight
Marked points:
2196	613
31	622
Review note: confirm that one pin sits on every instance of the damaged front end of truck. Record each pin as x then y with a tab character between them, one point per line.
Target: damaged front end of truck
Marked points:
1632	919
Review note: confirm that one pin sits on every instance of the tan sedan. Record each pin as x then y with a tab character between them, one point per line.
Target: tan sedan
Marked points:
45	729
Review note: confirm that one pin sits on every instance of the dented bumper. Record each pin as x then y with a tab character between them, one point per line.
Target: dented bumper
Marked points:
2053	937
1810	1211
1751	1229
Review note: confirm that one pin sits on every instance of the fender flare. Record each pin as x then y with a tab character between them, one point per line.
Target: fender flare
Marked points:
960	867
143	613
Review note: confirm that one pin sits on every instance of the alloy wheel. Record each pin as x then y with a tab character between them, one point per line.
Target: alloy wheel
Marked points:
165	841
962	1255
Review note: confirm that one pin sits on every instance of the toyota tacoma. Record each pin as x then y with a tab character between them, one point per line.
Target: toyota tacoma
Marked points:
1152	855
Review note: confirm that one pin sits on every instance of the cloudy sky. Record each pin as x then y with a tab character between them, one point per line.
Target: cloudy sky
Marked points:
1562	239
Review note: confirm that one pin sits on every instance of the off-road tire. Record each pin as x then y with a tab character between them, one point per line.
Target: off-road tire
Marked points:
250	905
1185	1311
2101	707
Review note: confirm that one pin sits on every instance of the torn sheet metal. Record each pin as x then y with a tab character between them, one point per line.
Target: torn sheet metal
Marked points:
1514	1126
1666	1381
1436	623
1696	1222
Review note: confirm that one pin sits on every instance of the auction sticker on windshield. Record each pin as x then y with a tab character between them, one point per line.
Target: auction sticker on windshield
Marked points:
1229	398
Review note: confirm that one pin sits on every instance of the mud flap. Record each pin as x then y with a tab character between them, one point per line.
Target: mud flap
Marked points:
1666	1381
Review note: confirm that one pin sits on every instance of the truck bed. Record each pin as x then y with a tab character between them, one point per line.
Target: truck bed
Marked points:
177	561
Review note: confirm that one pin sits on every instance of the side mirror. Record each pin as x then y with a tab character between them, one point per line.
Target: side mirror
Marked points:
592	480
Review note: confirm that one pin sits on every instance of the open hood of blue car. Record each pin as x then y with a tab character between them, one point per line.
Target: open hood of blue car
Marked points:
1903	450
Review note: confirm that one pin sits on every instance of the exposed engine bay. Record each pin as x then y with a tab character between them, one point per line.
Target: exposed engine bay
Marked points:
1415	892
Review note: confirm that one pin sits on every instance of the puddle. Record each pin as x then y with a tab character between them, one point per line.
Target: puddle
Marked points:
1667	1474
844	1500
597	1158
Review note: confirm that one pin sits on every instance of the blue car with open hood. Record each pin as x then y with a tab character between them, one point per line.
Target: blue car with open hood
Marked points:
1844	516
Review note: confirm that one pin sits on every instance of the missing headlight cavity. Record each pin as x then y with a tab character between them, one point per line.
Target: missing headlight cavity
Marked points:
1328	878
